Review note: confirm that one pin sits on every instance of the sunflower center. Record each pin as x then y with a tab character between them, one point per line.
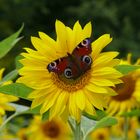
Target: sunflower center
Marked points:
24	137
125	89
101	137
51	129
71	85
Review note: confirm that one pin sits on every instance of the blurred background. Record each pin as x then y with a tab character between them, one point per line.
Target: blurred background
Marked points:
119	18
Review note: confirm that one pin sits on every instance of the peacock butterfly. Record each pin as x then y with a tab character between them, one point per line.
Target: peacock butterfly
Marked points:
75	64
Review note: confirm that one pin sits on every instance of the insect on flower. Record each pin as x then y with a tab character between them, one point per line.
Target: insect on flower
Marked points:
75	64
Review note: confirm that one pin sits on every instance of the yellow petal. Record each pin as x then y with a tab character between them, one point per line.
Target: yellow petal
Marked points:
70	39
89	108
33	53
73	109
48	40
59	105
87	30
80	99
10	98
7	107
2	111
94	88
32	61
75	36
96	100
114	109
104	58
65	114
78	33
38	101
111	92
49	101
123	108
61	36
116	81
42	92
1	73
44	49
101	82
113	62
99	44
106	71
35	82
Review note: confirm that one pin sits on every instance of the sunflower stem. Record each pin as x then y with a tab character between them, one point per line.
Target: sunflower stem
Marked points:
7	120
125	128
71	125
78	131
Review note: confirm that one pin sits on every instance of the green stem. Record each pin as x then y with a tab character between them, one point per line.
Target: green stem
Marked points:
7	120
10	118
78	131
125	128
71	126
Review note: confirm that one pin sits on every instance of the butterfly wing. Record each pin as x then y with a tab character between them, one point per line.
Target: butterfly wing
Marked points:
58	66
73	65
63	66
82	55
83	48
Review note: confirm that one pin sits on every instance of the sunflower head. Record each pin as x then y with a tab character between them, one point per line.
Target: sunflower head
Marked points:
100	134
48	130
128	92
128	60
6	135
22	134
133	125
69	75
5	99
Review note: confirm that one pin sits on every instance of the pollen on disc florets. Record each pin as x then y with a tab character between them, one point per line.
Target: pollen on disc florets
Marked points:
71	85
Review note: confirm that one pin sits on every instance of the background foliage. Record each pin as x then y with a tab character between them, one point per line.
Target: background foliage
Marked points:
119	18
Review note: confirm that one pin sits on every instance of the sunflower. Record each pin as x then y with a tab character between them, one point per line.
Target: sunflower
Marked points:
5	135
5	99
133	126
100	134
22	134
59	95
128	60
55	129
128	92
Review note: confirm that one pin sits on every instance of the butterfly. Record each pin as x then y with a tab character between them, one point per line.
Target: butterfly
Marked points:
75	64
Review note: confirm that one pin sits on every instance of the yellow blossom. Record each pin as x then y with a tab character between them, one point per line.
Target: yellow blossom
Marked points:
55	129
128	92
5	99
61	96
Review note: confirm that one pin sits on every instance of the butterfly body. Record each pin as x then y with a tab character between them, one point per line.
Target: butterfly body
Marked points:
75	64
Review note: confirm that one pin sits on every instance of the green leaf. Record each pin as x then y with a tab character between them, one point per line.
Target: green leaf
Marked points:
33	111
18	64
10	76
45	116
16	89
20	110
89	125
125	69
134	112
7	44
99	115
105	122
